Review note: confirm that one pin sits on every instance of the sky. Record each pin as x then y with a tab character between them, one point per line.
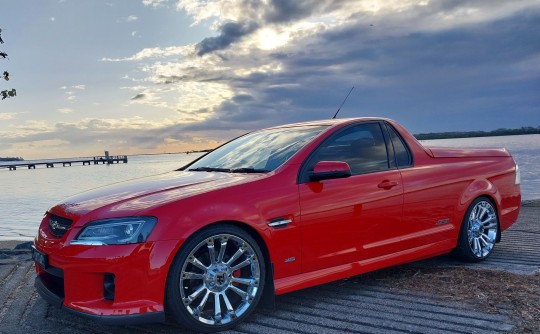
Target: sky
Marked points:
163	76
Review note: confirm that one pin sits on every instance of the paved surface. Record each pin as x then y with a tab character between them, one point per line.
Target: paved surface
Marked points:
343	306
518	252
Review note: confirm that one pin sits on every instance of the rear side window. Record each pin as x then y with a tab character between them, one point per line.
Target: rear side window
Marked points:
401	151
361	146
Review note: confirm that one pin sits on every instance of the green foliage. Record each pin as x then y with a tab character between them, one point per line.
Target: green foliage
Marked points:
7	92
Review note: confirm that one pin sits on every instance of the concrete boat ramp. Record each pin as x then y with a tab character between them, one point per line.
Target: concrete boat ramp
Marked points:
355	305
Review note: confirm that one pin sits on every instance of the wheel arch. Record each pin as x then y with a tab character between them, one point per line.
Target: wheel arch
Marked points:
480	188
268	296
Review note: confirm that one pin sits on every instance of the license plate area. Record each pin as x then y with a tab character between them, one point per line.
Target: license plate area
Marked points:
40	258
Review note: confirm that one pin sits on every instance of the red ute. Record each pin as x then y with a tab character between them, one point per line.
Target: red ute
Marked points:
270	212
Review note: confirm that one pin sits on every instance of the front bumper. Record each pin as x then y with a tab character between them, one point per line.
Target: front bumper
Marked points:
130	319
122	284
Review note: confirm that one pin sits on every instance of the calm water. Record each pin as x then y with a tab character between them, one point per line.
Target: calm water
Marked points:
25	194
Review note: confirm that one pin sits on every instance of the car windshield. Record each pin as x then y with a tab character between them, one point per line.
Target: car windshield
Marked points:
258	152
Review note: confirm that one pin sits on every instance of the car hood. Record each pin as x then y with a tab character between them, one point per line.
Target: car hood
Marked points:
144	193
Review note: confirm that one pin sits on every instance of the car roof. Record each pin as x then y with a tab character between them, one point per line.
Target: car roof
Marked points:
329	122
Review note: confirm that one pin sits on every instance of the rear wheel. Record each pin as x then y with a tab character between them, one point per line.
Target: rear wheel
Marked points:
479	229
216	279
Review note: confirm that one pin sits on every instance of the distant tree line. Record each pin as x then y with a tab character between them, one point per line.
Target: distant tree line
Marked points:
11	159
469	134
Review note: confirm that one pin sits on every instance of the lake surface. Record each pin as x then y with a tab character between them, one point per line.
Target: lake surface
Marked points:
25	194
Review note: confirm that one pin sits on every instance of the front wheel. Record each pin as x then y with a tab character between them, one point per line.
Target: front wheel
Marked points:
479	229
216	279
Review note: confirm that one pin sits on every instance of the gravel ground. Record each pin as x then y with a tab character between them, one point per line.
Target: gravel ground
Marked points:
440	295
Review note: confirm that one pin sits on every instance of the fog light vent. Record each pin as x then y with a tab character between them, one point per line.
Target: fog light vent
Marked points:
109	283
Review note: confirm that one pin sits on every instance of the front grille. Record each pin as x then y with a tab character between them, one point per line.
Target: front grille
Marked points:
59	225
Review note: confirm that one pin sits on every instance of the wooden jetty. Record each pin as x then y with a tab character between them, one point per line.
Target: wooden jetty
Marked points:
106	159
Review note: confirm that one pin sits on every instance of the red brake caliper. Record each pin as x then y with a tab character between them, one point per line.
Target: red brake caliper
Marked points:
236	273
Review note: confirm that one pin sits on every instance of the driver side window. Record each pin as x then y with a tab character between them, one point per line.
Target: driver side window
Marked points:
361	146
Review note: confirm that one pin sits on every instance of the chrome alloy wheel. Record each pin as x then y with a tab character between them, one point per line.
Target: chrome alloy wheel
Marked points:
220	279
482	229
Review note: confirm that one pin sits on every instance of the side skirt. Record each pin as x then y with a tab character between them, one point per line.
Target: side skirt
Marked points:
306	280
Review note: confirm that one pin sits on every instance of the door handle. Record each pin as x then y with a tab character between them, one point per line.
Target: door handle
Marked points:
387	184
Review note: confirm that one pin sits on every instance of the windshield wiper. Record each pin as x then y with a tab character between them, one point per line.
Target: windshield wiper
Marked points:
248	170
229	170
210	169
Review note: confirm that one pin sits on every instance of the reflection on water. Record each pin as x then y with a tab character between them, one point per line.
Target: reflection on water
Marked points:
25	194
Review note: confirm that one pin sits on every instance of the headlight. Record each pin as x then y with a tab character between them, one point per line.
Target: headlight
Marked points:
518	175
116	231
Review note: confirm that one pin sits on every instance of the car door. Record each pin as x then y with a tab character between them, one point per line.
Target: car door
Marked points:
349	219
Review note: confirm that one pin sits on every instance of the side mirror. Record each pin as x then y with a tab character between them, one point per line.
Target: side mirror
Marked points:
325	170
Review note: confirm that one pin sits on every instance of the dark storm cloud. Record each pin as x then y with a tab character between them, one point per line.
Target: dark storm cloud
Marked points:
242	98
435	80
279	11
258	14
446	79
230	32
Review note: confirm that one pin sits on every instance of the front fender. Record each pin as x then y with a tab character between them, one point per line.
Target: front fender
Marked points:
254	205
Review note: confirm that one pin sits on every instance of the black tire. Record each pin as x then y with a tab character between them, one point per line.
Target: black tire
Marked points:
234	280
478	232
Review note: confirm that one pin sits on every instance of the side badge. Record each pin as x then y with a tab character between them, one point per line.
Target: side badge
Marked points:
443	221
291	259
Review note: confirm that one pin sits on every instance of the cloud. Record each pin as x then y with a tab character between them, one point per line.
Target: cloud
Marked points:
130	18
154	53
25	130
79	87
155	3
229	33
239	18
124	136
296	60
65	110
71	96
5	116
236	19
429	64
138	97
194	101
134	88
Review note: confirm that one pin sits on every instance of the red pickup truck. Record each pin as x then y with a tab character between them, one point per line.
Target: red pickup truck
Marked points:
267	213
